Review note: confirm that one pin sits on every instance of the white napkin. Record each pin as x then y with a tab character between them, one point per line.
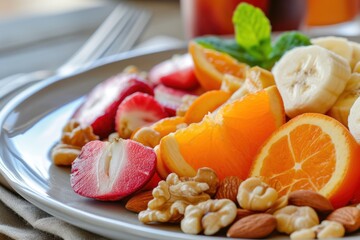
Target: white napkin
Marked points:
22	220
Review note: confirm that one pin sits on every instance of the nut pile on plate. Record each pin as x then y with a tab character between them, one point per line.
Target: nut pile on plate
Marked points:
246	209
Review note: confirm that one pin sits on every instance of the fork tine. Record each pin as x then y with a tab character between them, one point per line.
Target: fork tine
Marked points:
117	33
133	31
105	36
121	24
97	38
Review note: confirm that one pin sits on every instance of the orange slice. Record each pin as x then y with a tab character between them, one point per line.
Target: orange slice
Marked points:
228	140
168	125
150	136
312	152
161	169
204	104
210	66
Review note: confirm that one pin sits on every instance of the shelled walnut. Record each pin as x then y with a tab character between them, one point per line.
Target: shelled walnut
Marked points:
292	218
327	229
73	138
255	195
206	175
209	216
76	135
172	196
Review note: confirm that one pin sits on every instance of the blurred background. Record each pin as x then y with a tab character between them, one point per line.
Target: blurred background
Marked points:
42	34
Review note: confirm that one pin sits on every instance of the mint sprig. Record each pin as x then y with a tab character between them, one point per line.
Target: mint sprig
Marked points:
252	30
228	46
252	43
286	42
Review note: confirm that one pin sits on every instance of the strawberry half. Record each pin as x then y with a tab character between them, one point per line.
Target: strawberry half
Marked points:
170	98
177	72
112	170
100	106
137	110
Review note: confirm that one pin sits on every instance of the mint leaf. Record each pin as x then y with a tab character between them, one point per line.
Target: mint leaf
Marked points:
252	30
284	43
228	46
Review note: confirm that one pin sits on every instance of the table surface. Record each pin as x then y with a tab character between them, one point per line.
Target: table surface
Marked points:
43	35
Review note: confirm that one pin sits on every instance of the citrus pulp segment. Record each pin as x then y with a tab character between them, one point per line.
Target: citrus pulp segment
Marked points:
314	152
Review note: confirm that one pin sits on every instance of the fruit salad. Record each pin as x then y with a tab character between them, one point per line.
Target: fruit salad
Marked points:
245	137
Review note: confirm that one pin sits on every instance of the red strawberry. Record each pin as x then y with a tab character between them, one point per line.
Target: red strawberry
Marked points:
170	98
100	106
177	72
112	170
137	110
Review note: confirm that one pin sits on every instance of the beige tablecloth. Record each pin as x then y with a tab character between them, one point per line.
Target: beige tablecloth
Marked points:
21	220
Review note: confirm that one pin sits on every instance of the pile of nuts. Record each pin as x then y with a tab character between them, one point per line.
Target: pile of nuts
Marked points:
250	208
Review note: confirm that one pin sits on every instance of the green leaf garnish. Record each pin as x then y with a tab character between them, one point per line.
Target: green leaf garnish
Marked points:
228	46
252	30
286	42
252	43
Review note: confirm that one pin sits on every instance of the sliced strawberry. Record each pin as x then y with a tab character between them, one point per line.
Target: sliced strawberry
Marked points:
170	98
100	106
112	170
177	72
137	110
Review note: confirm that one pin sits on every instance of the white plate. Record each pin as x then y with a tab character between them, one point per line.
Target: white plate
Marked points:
30	126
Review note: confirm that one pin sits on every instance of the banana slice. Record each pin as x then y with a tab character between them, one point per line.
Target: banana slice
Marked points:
341	109
337	45
354	120
355	55
310	79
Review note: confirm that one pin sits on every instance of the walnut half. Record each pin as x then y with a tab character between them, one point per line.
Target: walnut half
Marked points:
73	138
327	229
255	195
76	135
171	197
292	218
209	216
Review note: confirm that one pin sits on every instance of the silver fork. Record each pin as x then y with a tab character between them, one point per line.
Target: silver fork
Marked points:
117	33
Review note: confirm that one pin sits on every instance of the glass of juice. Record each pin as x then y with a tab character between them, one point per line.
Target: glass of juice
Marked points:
326	12
202	17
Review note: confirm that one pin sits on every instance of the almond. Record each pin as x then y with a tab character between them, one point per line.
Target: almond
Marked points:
310	199
228	188
349	217
241	213
257	225
139	201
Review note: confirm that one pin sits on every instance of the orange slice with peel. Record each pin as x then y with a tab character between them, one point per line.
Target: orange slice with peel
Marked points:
313	152
228	140
168	125
210	66
204	104
161	169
